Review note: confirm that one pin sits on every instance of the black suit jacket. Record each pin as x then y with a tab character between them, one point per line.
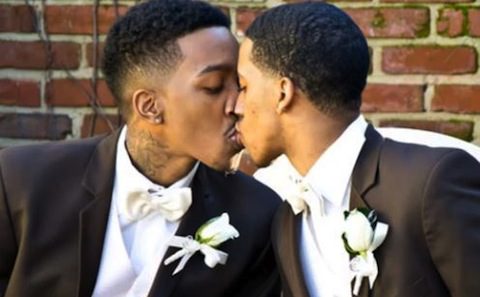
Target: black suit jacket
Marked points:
430	198
54	205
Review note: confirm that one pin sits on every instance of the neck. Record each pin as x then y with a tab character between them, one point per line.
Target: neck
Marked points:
310	134
152	158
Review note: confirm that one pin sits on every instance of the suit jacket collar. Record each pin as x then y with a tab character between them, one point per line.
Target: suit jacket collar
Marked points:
364	178
365	172
98	182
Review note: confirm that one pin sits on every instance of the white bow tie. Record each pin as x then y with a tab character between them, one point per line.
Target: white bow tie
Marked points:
295	197
302	198
169	203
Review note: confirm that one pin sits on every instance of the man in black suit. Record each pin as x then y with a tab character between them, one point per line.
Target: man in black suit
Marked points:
97	217
302	69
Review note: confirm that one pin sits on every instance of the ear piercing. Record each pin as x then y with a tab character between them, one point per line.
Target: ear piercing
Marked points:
158	120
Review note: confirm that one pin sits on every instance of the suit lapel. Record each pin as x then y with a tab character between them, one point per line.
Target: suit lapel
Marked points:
364	178
364	175
165	282
98	181
286	237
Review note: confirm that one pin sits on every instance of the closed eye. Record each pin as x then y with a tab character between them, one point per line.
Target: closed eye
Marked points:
214	90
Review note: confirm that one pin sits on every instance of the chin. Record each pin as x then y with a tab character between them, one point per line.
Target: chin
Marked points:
262	160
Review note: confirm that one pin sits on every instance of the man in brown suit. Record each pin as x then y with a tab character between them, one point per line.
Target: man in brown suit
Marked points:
302	69
97	217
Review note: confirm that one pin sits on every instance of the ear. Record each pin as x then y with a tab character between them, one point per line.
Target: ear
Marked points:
148	106
286	96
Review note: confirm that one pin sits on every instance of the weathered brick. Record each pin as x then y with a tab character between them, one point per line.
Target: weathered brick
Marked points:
20	93
474	22
35	126
78	19
77	92
427	1
17	18
33	55
459	129
457	98
99	124
245	17
392	98
392	22
429	60
100	46
451	22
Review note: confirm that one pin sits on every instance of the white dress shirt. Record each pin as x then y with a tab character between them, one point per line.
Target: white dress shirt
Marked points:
132	252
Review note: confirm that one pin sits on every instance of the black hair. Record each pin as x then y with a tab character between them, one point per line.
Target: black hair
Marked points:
318	47
145	39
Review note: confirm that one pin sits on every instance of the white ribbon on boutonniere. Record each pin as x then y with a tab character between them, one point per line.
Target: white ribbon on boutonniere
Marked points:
363	235
208	236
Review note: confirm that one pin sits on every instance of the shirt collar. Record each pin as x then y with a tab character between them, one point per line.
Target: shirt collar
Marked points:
128	178
330	175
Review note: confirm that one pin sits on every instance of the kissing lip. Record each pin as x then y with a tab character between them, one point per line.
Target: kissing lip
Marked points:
233	137
231	131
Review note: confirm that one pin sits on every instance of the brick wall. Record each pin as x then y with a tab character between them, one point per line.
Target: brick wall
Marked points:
425	64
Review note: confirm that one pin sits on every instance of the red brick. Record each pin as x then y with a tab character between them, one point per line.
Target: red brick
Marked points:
100	46
474	22
392	98
18	18
429	60
459	129
19	93
457	98
78	19
77	92
99	124
245	17
392	22
427	1
33	55
451	22
35	126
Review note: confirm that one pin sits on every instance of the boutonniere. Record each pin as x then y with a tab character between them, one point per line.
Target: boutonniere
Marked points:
209	236
363	234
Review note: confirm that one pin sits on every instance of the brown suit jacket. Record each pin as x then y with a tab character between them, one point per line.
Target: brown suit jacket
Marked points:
54	205
430	198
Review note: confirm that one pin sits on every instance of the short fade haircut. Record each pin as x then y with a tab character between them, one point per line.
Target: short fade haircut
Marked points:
319	48
144	40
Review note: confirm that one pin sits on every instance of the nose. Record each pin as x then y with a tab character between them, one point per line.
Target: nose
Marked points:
238	109
230	103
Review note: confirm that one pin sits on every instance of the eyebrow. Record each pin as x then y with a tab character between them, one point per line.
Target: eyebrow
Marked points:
217	67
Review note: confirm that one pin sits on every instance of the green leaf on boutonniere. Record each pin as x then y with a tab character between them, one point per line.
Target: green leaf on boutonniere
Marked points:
349	250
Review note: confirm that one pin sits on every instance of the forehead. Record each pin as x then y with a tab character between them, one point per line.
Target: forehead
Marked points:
245	66
204	47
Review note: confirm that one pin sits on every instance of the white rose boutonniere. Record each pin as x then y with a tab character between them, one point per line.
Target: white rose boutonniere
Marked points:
210	235
363	234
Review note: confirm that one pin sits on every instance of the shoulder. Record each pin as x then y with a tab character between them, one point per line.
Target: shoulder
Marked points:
422	170
38	157
409	155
